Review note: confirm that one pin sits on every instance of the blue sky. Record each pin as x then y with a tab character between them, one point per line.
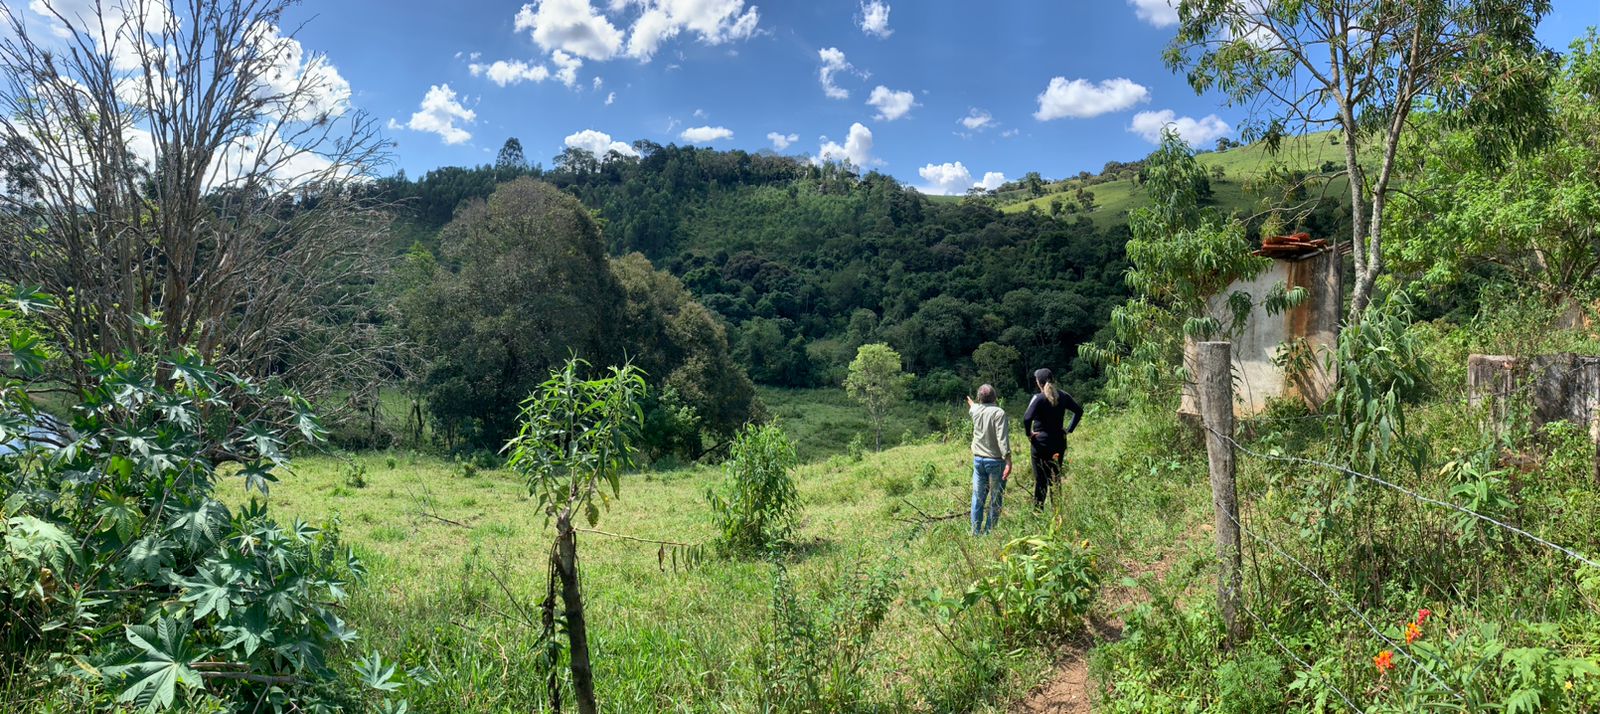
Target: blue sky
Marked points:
1055	87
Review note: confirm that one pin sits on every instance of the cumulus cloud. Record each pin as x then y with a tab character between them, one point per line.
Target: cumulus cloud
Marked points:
891	105
439	113
513	72
610	97
571	26
597	143
299	86
875	18
1079	99
833	62
505	73
991	180
781	141
1194	131
977	120
705	134
945	179
567	67
1161	13
953	179
857	148
713	21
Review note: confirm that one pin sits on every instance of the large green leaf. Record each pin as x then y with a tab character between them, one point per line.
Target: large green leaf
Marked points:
163	661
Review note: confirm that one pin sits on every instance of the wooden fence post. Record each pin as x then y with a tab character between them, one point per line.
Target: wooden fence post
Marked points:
1215	383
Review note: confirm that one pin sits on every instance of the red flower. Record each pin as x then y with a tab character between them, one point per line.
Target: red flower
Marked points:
1384	662
1422	615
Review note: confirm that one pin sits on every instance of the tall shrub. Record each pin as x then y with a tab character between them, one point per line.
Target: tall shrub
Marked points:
760	502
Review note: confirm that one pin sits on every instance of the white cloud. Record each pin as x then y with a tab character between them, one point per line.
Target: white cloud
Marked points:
571	26
953	179
991	180
891	105
611	97
122	29
700	114
875	18
567	67
597	143
1161	13
833	62
857	148
1009	133
714	21
1080	100
977	119
945	179
1195	131
705	134
509	73
439	113
598	83
781	141
505	73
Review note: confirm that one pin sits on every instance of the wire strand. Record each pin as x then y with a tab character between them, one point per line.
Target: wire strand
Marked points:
1308	667
1343	602
1402	489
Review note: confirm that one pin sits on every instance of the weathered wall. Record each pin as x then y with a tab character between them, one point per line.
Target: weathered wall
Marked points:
1547	388
1316	320
1559	387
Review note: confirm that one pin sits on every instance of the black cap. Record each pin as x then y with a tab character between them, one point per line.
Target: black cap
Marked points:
1042	374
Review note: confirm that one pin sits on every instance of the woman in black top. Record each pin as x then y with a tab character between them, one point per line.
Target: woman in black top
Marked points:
1043	422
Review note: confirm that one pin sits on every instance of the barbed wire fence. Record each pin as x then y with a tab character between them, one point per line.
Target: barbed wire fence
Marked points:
1216	401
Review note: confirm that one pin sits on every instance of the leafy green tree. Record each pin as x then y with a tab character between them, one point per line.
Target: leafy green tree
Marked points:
997	365
877	381
523	284
575	439
1363	68
510	157
1182	255
760	501
1536	216
683	346
116	554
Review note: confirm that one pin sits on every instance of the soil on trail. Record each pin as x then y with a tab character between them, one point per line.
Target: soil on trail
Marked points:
1069	690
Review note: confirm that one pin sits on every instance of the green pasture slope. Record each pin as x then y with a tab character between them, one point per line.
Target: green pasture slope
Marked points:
1114	200
445	547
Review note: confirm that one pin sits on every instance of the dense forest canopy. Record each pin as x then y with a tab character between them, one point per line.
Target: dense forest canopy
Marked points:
805	263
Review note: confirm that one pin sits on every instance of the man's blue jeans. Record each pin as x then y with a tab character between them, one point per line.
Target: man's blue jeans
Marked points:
988	486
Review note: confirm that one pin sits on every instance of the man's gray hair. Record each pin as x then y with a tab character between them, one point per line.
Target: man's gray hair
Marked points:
986	394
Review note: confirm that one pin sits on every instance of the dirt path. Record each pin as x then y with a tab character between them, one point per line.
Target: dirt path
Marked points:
1069	690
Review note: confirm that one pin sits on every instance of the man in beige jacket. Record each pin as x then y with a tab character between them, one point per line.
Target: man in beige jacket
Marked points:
991	458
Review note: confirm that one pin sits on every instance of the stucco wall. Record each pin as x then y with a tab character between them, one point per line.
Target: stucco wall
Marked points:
1257	379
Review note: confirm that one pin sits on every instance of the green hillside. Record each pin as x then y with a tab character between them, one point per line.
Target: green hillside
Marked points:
1234	191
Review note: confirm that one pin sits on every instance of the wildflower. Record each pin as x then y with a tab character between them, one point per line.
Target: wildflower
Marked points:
1422	615
1413	632
1384	662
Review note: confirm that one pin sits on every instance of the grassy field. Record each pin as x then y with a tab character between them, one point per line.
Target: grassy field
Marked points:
1114	200
824	422
456	558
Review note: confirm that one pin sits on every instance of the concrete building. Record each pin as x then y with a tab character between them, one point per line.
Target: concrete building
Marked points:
1310	330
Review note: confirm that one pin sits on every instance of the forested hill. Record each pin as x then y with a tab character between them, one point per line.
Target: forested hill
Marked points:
805	263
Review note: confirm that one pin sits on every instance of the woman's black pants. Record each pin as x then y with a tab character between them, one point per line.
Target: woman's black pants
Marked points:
1046	469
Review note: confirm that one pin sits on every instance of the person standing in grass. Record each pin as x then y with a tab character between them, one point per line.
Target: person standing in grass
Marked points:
991	458
1046	434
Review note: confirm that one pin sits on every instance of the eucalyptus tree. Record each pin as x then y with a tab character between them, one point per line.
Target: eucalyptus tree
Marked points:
187	159
1364	68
